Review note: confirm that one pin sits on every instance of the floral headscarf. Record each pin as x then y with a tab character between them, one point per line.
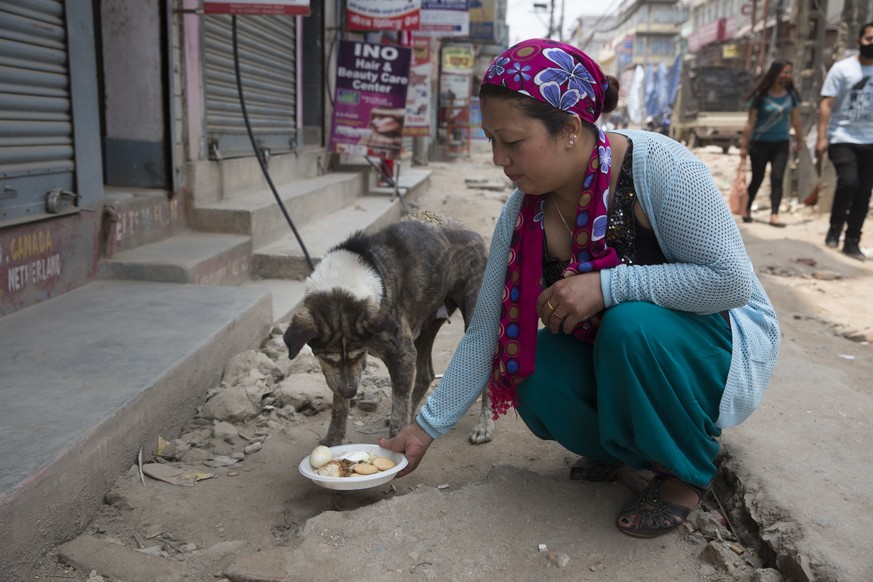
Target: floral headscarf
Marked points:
552	72
566	78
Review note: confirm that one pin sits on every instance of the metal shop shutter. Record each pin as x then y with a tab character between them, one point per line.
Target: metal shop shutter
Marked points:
36	129
267	66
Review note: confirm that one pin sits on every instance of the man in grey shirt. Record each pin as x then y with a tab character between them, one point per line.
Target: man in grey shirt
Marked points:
845	130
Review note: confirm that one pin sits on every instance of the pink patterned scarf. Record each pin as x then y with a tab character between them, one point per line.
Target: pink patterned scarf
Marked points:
566	78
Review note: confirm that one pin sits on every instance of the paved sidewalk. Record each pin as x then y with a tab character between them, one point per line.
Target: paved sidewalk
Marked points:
89	377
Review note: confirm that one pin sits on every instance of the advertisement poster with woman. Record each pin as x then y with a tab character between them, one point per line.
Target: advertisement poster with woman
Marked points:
370	101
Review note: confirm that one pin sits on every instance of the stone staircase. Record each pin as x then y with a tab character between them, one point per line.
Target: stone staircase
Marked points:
238	235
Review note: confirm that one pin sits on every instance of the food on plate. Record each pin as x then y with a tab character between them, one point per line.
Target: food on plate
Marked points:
320	456
331	469
383	463
364	469
350	464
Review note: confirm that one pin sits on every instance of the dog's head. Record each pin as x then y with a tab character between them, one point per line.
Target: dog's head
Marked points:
340	330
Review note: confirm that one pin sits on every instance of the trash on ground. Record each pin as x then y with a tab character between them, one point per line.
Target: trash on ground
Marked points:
174	475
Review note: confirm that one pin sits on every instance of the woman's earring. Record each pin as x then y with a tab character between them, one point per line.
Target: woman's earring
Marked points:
573	139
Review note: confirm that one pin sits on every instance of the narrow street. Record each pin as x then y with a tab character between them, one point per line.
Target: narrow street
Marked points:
791	486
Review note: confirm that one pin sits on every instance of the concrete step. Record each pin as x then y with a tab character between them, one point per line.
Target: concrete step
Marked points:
138	216
190	257
286	295
134	362
284	259
258	215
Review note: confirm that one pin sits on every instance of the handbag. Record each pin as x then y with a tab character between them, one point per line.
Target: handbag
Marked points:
739	195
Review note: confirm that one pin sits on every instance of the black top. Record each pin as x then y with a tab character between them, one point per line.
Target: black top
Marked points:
634	243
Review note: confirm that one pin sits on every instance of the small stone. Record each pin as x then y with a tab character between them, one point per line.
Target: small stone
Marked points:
560	559
715	553
443	486
826	275
195	455
155	551
225	431
767	575
543	548
196	438
253	448
221	461
239	455
232	473
117	500
286	412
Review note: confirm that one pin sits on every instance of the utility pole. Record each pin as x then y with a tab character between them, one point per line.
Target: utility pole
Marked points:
774	38
751	43
761	52
551	18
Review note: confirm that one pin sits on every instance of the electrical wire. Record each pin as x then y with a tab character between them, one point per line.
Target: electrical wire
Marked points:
258	154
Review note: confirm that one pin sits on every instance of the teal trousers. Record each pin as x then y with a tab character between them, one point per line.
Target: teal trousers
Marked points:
646	393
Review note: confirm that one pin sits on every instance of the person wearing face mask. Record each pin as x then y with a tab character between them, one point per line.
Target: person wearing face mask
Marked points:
845	131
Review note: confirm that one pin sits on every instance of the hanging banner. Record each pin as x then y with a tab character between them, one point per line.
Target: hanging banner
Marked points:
418	110
257	7
369	107
444	18
383	14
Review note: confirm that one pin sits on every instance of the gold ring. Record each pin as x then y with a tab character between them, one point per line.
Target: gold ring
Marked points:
549	303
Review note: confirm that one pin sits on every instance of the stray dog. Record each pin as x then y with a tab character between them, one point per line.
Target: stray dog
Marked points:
387	294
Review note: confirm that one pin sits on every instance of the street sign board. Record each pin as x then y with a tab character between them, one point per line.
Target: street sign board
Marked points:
257	7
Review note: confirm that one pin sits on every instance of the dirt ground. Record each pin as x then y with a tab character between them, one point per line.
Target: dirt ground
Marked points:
260	506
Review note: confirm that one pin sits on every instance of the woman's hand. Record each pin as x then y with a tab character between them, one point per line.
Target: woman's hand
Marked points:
570	301
412	442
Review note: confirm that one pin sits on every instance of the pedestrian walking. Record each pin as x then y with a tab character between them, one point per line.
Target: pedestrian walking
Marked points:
657	332
772	107
845	131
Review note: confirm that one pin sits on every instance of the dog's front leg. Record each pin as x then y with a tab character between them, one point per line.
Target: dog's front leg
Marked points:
483	432
338	416
401	368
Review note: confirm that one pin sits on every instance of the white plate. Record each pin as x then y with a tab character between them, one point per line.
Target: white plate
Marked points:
358	481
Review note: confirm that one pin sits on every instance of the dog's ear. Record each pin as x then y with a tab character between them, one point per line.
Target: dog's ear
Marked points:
386	328
300	331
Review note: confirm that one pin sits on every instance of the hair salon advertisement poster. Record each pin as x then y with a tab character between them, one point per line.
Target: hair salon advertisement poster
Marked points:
370	100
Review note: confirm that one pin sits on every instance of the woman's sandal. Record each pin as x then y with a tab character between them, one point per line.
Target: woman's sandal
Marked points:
657	516
587	469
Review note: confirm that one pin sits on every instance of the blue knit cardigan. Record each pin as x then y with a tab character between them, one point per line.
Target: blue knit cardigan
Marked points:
707	271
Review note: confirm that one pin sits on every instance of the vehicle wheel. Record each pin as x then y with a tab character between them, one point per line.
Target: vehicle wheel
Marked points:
691	141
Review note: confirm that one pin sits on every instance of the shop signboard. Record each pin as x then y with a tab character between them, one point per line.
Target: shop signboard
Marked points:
444	18
370	99
257	7
485	19
364	15
709	33
458	58
418	108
